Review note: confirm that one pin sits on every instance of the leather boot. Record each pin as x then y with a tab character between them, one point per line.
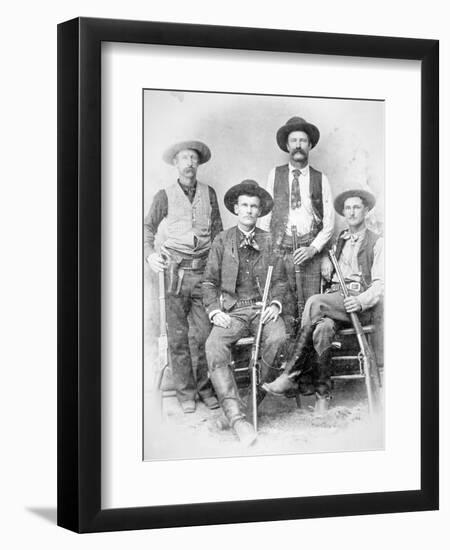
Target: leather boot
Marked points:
245	432
285	383
227	393
322	404
323	383
323	380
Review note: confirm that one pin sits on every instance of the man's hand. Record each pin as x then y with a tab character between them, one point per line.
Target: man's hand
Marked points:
352	304
221	319
326	268
271	313
156	262
303	254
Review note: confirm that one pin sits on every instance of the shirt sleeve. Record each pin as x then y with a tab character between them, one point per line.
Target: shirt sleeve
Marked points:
216	220
370	297
328	217
158	211
264	222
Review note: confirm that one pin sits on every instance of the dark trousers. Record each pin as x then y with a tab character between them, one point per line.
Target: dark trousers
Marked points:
185	311
244	322
325	313
310	283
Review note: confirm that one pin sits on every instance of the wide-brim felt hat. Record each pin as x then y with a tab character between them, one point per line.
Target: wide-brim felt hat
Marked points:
366	196
252	189
296	124
204	153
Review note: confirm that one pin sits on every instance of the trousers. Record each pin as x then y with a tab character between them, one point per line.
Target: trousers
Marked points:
322	312
185	311
244	322
310	278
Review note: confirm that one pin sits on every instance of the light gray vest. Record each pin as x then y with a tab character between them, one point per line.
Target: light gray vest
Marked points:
186	221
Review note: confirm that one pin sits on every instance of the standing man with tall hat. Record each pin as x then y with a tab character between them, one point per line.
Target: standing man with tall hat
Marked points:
233	287
192	218
360	254
303	203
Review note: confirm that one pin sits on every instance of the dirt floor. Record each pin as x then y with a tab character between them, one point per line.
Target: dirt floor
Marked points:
283	428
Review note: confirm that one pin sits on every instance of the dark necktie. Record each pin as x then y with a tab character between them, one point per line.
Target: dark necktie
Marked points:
296	200
191	194
249	242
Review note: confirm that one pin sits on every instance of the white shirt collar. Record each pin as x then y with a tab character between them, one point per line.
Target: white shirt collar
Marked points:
247	233
303	171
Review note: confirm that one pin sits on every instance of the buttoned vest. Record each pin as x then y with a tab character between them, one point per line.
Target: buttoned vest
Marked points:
231	265
365	254
186	221
280	212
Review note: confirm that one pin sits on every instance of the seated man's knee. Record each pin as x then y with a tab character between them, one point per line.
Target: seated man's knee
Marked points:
324	330
275	332
313	309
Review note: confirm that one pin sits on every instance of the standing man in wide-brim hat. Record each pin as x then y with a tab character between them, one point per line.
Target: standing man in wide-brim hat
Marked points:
233	286
360	254
192	217
302	204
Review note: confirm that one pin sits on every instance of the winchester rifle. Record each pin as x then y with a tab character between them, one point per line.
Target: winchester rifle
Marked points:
163	355
252	404
368	359
298	277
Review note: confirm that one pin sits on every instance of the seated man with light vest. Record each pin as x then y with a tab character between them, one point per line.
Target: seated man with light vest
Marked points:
360	254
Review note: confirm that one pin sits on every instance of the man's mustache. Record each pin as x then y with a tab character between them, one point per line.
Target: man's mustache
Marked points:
298	151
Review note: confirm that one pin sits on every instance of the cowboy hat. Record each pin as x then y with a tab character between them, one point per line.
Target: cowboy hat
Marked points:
294	124
204	154
252	189
367	197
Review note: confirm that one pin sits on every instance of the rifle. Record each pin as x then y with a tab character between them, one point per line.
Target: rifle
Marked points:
163	356
298	277
368	359
252	405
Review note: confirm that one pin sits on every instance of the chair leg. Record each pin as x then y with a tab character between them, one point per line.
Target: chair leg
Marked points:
298	400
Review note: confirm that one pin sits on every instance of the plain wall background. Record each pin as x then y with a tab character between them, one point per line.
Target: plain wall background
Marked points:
28	289
241	132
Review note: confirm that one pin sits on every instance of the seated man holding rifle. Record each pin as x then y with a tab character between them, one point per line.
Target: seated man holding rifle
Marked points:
359	256
240	267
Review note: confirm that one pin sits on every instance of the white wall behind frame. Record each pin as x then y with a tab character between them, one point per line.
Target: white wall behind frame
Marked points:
28	353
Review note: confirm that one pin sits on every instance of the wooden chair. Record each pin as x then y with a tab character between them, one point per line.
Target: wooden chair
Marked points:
347	360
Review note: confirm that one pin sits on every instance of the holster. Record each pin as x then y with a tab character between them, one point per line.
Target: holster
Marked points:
174	274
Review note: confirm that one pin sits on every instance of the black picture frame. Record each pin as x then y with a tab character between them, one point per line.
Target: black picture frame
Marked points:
79	274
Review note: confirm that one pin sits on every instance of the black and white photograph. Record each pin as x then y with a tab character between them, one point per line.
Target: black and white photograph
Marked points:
263	274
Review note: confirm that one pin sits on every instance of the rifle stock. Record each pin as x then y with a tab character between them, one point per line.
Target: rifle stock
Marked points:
369	363
252	405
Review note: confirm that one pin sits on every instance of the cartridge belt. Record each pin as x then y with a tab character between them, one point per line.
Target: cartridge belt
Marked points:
195	263
247	303
353	286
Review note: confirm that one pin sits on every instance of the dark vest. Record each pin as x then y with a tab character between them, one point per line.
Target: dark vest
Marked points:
280	212
365	254
231	265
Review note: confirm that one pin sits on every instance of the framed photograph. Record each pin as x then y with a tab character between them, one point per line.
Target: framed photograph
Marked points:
248	275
